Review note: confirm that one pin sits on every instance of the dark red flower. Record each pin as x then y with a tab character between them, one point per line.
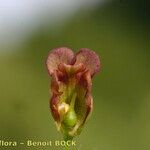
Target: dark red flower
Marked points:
71	102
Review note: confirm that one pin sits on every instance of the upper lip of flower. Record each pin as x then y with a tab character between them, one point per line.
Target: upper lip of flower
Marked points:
74	71
65	56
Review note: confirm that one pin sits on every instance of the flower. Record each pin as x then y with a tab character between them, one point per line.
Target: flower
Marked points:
71	103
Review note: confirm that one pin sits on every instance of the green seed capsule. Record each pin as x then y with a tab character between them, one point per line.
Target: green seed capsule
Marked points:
70	119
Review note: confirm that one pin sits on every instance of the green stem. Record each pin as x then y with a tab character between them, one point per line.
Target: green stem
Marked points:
67	138
67	147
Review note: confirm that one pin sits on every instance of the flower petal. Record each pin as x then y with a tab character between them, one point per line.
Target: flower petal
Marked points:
84	101
57	56
53	106
71	69
89	58
89	106
83	119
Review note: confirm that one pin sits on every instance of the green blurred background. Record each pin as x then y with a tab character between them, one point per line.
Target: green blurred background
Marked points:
119	31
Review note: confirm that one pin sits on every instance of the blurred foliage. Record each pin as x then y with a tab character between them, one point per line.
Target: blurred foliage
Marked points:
119	32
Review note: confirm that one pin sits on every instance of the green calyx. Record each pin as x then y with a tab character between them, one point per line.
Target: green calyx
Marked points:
70	119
